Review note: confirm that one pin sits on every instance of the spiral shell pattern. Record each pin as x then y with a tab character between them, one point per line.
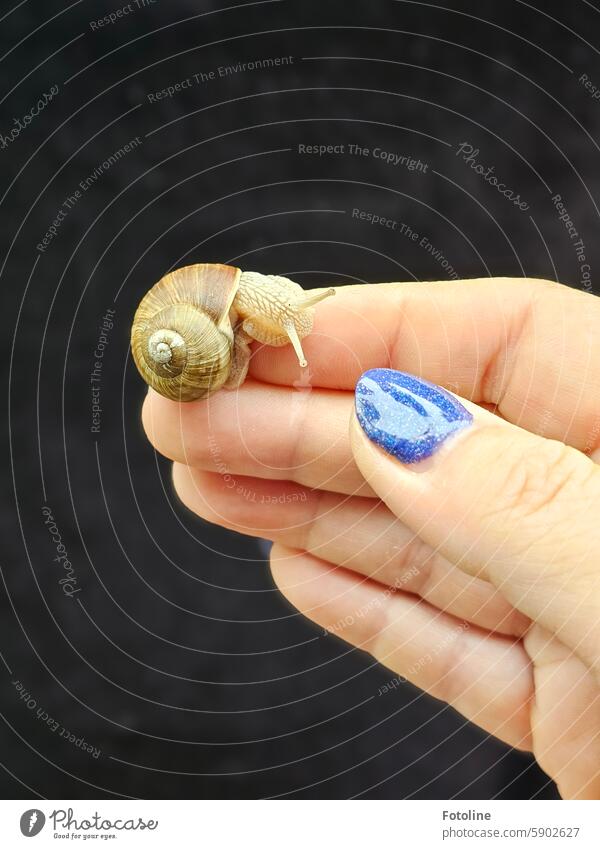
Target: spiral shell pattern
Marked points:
181	337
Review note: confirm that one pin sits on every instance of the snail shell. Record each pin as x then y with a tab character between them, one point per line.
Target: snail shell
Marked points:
182	339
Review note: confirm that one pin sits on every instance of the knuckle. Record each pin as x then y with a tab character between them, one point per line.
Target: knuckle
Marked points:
538	482
453	667
308	533
423	568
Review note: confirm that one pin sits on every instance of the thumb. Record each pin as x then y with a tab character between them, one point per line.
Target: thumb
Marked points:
497	501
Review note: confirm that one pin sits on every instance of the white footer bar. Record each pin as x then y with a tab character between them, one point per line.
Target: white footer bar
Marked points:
302	824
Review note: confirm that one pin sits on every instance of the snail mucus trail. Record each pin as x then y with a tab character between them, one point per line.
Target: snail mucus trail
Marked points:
191	332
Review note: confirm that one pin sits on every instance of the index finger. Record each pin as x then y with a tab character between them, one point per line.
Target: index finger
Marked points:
529	347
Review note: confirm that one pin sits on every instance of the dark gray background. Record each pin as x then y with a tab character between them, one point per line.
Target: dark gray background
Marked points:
178	659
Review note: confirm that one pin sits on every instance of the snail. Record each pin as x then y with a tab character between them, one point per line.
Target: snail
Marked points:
191	331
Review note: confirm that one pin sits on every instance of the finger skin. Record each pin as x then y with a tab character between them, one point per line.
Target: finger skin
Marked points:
565	716
487	677
515	509
274	432
359	534
529	347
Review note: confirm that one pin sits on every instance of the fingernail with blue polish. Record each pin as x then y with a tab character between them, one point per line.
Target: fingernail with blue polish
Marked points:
406	416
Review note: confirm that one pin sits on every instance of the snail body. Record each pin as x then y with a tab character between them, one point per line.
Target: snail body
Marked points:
191	331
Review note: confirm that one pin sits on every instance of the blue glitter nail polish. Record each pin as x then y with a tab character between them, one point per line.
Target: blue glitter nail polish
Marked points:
406	416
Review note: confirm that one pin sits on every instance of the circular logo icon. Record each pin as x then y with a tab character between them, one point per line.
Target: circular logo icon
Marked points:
32	822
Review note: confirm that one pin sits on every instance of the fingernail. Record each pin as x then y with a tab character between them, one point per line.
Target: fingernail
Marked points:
406	416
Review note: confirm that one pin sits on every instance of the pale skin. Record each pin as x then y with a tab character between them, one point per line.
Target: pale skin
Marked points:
475	573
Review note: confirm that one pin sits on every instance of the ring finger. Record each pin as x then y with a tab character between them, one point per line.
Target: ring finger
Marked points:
357	533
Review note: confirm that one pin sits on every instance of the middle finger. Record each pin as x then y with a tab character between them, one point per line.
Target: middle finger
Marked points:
273	432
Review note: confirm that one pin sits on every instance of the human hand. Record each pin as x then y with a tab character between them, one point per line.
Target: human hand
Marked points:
475	572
